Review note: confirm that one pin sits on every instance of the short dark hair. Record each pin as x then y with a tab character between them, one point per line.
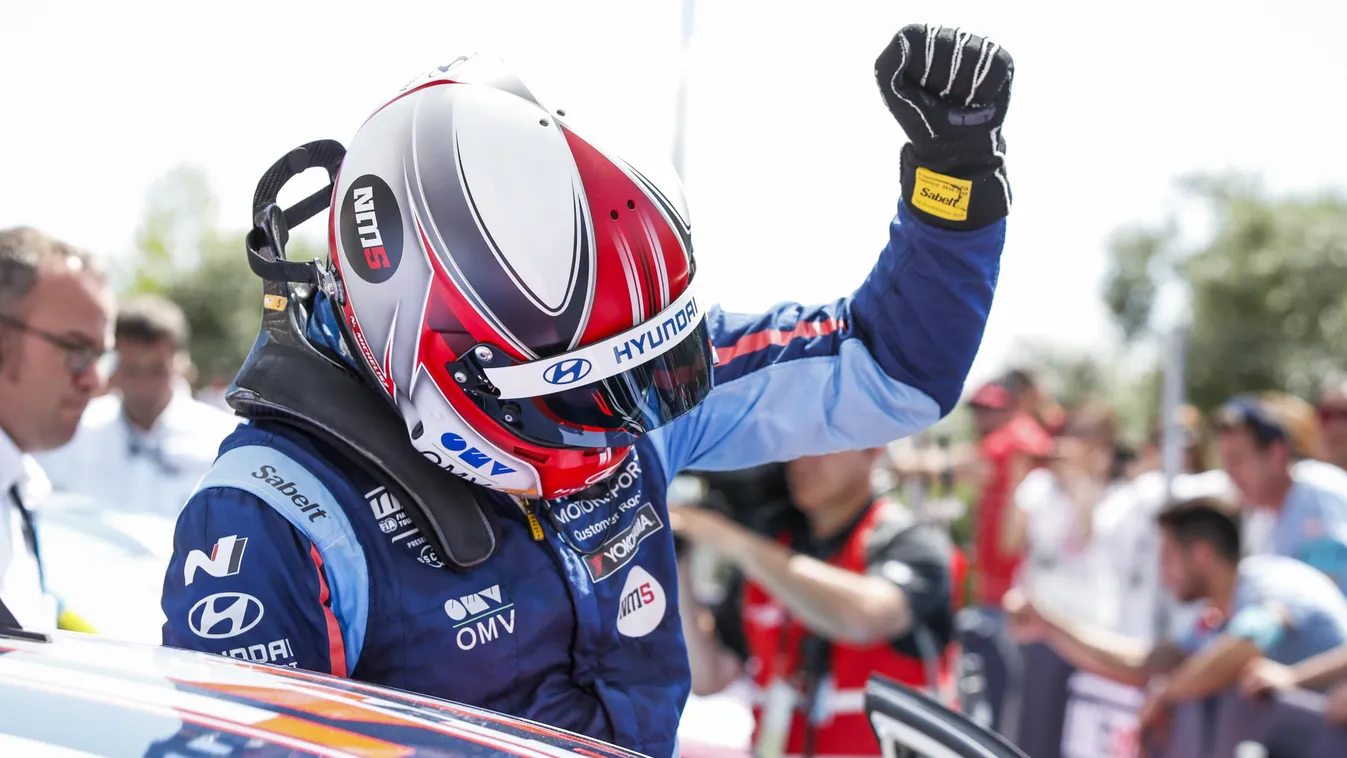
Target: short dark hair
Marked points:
1272	417
23	250
1018	380
1204	519
1092	418
150	318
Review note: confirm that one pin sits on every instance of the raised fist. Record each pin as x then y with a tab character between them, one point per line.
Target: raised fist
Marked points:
949	89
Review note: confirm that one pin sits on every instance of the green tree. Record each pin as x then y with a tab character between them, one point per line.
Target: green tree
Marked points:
1265	286
184	254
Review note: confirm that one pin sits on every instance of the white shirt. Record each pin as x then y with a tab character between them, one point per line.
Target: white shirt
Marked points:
1060	566
20	579
129	470
1127	543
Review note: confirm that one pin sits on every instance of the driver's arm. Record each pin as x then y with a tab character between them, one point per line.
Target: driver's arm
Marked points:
244	583
858	372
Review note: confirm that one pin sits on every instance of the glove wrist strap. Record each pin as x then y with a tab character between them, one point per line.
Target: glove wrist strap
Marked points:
952	196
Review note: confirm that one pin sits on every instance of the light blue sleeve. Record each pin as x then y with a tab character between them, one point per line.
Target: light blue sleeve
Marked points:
1261	624
1312	528
858	372
805	407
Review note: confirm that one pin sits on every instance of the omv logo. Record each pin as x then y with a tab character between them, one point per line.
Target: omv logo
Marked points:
568	371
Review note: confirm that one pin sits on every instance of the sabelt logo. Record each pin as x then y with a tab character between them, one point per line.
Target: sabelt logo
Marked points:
288	488
941	196
619	551
371	229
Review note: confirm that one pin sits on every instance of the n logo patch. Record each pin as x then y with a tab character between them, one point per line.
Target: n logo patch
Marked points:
224	559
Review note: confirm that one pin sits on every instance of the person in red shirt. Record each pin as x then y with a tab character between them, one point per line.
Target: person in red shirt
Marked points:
1011	444
849	585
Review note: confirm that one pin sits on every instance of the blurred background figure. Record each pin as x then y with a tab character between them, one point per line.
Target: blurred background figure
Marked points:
142	447
1052	521
1262	605
1333	419
1127	538
1029	398
841	586
213	392
1010	444
1268	444
56	312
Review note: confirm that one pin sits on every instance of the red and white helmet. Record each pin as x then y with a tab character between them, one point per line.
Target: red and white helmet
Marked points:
524	298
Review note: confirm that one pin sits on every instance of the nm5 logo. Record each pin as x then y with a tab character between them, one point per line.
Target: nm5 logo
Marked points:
224	614
568	371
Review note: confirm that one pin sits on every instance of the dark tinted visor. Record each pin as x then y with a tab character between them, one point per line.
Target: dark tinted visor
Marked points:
613	412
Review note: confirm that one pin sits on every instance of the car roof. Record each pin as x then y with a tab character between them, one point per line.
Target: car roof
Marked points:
76	694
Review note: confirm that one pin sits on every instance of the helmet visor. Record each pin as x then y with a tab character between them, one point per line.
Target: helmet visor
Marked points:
613	412
609	393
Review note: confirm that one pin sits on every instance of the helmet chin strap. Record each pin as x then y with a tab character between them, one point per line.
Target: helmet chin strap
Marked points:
287	379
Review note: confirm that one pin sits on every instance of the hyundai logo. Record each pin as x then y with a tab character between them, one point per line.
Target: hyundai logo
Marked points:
568	371
224	614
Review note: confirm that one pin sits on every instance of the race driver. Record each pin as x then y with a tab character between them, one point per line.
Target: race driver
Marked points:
527	304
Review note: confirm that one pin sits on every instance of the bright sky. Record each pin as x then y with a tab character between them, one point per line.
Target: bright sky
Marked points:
792	159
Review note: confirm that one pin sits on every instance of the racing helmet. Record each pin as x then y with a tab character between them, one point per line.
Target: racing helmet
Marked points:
523	297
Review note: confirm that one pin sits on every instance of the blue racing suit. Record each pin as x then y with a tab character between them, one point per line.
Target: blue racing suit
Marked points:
287	554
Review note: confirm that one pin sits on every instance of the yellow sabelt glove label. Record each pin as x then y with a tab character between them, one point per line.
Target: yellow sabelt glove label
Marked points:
941	196
72	622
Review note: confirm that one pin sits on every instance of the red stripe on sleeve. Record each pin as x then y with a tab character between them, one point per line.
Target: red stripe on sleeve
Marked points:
755	341
335	645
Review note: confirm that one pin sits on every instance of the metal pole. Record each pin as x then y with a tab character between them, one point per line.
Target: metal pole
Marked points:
1173	396
1171	451
681	104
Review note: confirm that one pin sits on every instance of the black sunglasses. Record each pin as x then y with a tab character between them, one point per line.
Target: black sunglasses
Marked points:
78	356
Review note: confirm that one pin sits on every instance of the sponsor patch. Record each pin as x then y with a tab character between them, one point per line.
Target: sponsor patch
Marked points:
941	196
224	615
480	618
618	551
278	482
642	604
370	226
394	522
225	559
277	653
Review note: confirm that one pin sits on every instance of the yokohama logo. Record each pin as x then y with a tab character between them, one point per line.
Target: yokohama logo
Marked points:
619	551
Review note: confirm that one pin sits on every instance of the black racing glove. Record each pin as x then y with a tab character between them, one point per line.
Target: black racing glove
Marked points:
949	90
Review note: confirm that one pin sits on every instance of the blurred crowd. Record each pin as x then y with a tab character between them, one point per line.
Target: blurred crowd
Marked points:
1218	564
1225	568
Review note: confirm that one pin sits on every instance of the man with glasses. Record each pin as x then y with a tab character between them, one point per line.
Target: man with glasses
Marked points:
56	312
143	447
1268	444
